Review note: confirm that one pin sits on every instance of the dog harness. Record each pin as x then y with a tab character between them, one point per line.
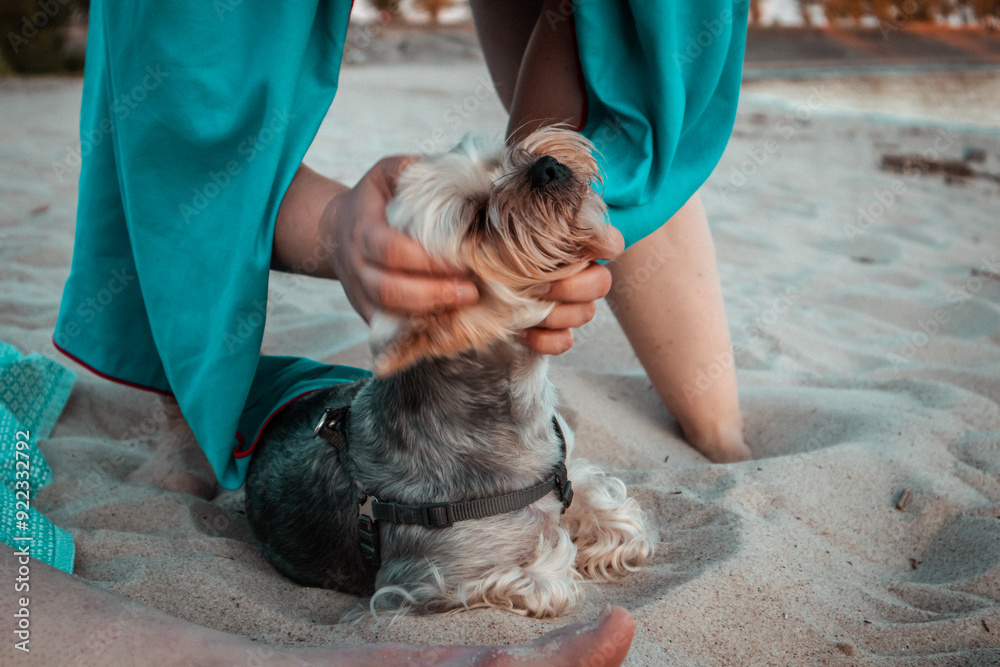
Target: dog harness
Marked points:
332	427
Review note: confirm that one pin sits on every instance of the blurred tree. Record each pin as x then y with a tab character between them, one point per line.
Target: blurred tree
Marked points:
987	11
841	9
886	11
805	10
754	12
32	34
388	9
920	10
434	8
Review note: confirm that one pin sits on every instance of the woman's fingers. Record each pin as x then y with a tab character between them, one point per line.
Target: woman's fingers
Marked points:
384	174
381	268
547	341
554	334
569	316
413	293
591	284
575	299
383	246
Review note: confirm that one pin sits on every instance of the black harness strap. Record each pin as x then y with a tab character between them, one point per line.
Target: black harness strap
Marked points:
442	515
333	428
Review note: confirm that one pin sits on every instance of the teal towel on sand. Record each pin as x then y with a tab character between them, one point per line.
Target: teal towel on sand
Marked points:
33	391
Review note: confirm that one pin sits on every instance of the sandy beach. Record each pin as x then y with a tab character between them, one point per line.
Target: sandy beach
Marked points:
864	306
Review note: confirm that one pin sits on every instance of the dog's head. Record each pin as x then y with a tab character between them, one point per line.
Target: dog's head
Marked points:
517	217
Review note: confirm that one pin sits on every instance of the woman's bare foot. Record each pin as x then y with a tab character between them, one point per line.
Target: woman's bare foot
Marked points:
177	463
723	443
70	622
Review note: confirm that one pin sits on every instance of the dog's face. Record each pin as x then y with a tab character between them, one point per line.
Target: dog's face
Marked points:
522	215
517	218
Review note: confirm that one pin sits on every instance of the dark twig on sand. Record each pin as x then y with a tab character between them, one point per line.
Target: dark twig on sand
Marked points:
904	500
992	275
928	166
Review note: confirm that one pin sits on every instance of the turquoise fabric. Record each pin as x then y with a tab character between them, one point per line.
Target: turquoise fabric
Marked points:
662	81
33	391
194	119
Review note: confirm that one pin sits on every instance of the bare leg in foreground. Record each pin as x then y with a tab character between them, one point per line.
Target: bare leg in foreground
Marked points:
74	623
666	291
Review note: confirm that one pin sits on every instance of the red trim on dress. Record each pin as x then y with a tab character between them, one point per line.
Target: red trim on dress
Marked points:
239	436
98	373
243	442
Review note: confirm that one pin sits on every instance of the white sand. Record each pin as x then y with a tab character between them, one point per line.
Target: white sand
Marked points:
969	97
797	558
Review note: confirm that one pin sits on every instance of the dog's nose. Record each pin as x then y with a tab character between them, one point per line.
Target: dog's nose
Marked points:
546	170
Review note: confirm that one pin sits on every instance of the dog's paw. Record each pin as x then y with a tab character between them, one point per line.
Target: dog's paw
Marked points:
611	532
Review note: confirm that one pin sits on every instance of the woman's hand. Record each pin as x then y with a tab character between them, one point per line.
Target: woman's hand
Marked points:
379	267
575	299
383	269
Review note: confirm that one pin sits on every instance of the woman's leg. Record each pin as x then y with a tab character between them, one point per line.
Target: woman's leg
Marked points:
667	297
674	316
535	71
504	29
67	621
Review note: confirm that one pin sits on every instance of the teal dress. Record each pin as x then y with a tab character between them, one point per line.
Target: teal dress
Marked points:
197	114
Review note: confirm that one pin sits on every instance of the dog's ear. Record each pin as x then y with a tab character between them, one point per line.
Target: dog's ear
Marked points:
603	242
599	239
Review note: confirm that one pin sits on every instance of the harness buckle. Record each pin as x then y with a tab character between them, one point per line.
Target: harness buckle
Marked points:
368	541
564	486
331	424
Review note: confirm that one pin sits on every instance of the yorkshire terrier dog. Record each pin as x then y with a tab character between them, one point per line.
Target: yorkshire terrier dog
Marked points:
443	482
